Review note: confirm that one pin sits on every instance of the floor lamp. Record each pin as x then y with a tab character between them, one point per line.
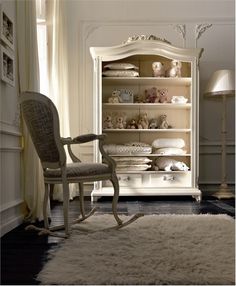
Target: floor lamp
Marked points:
221	85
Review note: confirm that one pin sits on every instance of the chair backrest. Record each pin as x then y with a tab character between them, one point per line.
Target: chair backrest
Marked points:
41	118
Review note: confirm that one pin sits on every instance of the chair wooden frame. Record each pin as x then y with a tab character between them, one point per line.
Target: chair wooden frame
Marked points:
56	170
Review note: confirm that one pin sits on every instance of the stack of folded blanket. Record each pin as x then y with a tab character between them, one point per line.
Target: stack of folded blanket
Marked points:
169	146
132	163
120	70
133	148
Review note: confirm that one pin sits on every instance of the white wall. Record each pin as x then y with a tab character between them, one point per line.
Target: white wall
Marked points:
10	145
105	23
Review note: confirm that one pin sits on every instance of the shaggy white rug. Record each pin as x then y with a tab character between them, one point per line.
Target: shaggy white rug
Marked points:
155	249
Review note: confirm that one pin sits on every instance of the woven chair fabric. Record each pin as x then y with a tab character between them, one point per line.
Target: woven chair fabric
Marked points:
39	121
79	170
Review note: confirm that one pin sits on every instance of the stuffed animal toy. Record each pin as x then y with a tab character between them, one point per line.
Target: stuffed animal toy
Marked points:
151	95
163	95
153	124
167	164
132	124
115	97
175	69
120	122
158	69
107	124
163	124
143	121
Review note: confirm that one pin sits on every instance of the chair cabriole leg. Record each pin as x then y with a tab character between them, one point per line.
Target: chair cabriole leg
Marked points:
45	206
66	203
116	187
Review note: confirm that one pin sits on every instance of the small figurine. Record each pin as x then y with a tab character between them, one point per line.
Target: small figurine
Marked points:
153	124
151	95
175	69
120	122
107	124
163	122
115	97
143	121
163	95
158	69
132	124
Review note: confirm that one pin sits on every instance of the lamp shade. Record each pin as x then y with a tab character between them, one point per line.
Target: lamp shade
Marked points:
222	82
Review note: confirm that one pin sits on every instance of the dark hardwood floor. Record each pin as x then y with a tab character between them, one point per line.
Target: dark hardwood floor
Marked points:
23	253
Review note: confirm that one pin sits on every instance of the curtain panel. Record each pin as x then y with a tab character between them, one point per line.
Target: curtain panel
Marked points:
58	73
28	73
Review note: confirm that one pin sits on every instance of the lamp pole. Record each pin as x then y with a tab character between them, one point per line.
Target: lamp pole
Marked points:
223	185
222	83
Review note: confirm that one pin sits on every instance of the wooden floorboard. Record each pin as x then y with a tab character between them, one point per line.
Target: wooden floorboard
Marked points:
24	253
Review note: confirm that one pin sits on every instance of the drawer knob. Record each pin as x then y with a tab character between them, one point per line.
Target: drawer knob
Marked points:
168	178
124	179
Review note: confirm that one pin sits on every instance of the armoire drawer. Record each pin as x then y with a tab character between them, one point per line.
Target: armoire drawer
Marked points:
158	180
127	180
172	179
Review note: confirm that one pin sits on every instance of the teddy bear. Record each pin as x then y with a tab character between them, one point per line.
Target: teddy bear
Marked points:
143	121
153	124
151	95
175	69
158	69
107	124
132	124
167	164
163	95
120	122
115	97
163	124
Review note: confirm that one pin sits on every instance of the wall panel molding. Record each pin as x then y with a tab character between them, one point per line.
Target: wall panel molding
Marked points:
196	28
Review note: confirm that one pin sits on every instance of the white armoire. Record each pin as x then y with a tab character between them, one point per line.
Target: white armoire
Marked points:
150	117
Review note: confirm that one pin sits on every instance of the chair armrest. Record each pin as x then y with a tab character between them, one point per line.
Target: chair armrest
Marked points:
87	138
84	139
66	141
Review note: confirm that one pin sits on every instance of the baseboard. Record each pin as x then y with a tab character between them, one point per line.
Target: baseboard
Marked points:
11	224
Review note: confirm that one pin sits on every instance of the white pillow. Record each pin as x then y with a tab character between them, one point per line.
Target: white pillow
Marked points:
120	66
120	73
168	142
142	167
170	151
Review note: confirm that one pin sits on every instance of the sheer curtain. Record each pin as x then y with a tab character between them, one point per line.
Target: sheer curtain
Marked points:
28	70
58	71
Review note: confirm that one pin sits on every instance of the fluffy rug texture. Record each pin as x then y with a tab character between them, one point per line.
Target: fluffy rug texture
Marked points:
155	249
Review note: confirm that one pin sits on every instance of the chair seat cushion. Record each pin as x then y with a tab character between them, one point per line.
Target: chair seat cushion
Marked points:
79	170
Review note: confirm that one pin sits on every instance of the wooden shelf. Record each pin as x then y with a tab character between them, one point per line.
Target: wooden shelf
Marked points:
147	105
180	81
179	130
153	172
150	155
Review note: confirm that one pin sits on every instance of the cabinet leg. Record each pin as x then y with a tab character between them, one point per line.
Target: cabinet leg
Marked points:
198	198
